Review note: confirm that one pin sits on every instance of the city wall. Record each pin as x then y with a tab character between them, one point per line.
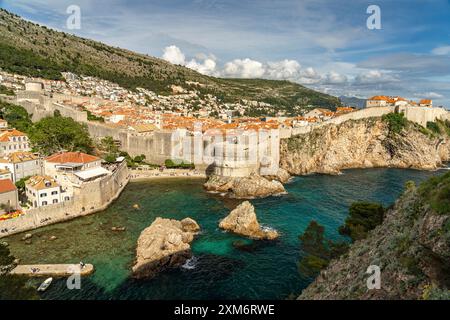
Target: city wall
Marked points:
90	198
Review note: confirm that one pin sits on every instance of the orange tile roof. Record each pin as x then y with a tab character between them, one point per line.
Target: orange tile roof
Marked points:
19	156
6	185
74	157
4	137
39	182
425	101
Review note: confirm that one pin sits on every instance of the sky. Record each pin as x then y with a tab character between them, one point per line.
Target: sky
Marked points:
325	45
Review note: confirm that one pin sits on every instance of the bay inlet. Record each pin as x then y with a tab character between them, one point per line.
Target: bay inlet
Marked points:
225	266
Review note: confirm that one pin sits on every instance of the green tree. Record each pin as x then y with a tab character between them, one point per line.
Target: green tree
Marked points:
396	122
53	134
317	250
16	116
107	144
363	217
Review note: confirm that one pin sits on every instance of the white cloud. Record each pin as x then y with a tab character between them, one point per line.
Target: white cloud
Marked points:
441	51
334	78
246	68
429	95
285	69
174	55
374	76
208	66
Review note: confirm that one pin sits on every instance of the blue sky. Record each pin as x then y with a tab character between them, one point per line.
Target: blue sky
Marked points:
321	44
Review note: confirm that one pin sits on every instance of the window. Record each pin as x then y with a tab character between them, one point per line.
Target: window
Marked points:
54	192
44	203
66	198
55	200
43	195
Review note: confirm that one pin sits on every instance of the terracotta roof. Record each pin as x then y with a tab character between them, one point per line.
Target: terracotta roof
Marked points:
425	101
19	156
73	157
6	185
41	182
4	137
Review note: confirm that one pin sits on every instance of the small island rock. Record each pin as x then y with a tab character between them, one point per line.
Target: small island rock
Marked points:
164	244
243	221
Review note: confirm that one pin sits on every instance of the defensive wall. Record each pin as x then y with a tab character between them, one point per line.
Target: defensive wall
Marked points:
91	197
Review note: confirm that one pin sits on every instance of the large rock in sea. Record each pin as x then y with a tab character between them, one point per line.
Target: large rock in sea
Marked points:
165	244
253	186
243	221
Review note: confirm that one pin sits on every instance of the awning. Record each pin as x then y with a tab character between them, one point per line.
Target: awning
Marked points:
92	173
69	165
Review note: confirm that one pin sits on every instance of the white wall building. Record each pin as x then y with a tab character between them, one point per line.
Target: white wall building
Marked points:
13	141
21	165
43	191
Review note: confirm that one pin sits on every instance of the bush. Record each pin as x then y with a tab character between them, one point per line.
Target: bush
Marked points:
433	126
169	163
5	90
363	217
436	192
396	122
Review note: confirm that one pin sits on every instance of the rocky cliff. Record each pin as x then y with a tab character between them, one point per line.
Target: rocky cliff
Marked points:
411	248
364	143
243	221
253	186
165	244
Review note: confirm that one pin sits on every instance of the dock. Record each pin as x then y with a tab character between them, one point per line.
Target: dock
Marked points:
52	270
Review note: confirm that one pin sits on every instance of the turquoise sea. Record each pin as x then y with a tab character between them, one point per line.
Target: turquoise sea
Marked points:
219	269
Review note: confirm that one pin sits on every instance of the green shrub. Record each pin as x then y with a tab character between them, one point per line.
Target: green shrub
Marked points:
395	121
433	126
170	164
436	192
363	217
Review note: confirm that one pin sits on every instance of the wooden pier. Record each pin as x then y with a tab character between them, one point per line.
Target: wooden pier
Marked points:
52	270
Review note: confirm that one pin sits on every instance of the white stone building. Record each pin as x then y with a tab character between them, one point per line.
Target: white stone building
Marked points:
21	165
44	190
13	141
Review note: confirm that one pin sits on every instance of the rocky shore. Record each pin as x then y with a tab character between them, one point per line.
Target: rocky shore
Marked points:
253	186
165	244
411	248
243	221
366	143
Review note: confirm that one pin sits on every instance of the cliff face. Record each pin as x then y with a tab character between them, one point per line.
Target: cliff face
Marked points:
411	247
363	143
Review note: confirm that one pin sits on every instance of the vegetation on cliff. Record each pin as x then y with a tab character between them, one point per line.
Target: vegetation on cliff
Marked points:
411	247
33	50
391	141
318	252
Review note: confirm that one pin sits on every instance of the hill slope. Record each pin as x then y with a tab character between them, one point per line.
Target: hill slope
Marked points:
29	49
411	247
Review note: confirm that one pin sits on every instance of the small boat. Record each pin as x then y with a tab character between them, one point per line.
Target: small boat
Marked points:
45	285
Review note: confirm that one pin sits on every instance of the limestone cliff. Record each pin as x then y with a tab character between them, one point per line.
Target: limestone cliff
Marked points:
411	247
365	143
165	244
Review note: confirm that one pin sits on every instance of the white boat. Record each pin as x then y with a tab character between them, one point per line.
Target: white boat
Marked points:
45	285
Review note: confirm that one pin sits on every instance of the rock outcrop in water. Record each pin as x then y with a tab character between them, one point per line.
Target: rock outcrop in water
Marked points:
165	244
411	247
365	143
253	186
243	221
